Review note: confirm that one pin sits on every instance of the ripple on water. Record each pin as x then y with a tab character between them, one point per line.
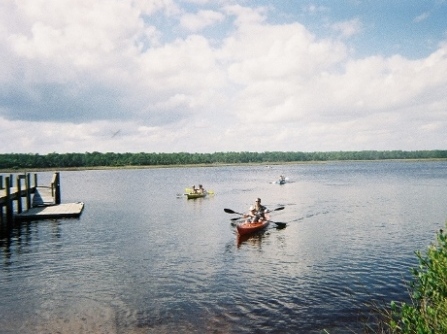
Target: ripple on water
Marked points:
141	261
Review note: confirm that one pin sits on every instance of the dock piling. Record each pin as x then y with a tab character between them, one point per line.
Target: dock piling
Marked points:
45	202
9	204
56	186
28	190
1	188
19	191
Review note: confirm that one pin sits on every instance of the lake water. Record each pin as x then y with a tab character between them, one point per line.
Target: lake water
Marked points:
141	259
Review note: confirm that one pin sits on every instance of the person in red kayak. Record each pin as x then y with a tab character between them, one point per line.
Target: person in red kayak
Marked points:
257	212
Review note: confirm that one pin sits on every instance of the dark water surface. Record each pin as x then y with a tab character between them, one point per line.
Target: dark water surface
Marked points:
142	260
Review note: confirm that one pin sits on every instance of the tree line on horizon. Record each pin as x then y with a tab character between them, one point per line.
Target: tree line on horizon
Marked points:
110	159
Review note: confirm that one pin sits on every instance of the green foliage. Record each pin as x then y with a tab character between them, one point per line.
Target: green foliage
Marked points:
427	313
110	159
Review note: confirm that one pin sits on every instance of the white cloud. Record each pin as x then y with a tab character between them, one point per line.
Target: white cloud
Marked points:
314	9
151	7
421	17
348	28
245	15
200	20
85	70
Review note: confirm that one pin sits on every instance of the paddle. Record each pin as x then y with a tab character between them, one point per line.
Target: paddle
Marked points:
280	225
238	213
231	211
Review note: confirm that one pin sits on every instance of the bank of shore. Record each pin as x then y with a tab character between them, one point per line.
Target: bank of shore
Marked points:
266	164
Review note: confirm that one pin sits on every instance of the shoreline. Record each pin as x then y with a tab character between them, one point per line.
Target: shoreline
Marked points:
267	164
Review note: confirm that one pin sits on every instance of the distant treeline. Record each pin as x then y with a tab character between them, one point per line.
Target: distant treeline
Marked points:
98	159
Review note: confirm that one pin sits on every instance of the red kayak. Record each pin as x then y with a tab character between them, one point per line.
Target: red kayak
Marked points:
248	227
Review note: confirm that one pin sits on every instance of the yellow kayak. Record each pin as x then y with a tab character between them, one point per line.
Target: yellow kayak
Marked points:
195	195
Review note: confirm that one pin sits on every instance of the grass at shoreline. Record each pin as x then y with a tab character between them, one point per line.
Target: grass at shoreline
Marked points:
427	311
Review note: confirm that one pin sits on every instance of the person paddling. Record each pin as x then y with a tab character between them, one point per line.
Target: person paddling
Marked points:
257	212
201	190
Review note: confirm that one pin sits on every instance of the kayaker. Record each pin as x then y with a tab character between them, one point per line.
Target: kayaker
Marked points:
257	212
194	189
201	190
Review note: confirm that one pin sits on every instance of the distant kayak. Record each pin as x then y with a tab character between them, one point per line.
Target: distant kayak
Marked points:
281	181
191	191
195	195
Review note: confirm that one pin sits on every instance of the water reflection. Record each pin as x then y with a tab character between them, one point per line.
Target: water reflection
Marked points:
140	260
254	239
20	237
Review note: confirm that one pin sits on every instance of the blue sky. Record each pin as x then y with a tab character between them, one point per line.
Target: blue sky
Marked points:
207	76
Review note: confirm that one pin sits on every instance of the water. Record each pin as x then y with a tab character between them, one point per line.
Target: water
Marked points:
141	259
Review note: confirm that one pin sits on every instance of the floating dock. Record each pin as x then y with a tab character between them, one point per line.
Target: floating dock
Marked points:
42	202
52	211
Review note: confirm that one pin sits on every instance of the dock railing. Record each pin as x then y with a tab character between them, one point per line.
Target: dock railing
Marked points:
23	189
45	203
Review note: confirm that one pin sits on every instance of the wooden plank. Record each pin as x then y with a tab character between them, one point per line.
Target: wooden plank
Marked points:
52	211
43	196
13	193
2	196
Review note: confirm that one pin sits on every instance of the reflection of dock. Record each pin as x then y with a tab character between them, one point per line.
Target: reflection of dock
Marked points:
41	202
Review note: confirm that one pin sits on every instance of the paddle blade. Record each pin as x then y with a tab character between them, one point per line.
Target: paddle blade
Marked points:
278	224
279	209
231	211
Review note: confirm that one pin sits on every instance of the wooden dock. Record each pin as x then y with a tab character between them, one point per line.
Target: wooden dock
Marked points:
52	211
42	202
43	196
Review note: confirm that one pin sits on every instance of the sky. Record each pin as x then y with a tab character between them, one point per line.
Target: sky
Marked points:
218	76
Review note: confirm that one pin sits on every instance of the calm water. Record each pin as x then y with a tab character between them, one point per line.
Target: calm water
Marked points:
141	259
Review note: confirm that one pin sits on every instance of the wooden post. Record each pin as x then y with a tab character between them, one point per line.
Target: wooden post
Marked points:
19	192
57	188
28	191
9	206
1	206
